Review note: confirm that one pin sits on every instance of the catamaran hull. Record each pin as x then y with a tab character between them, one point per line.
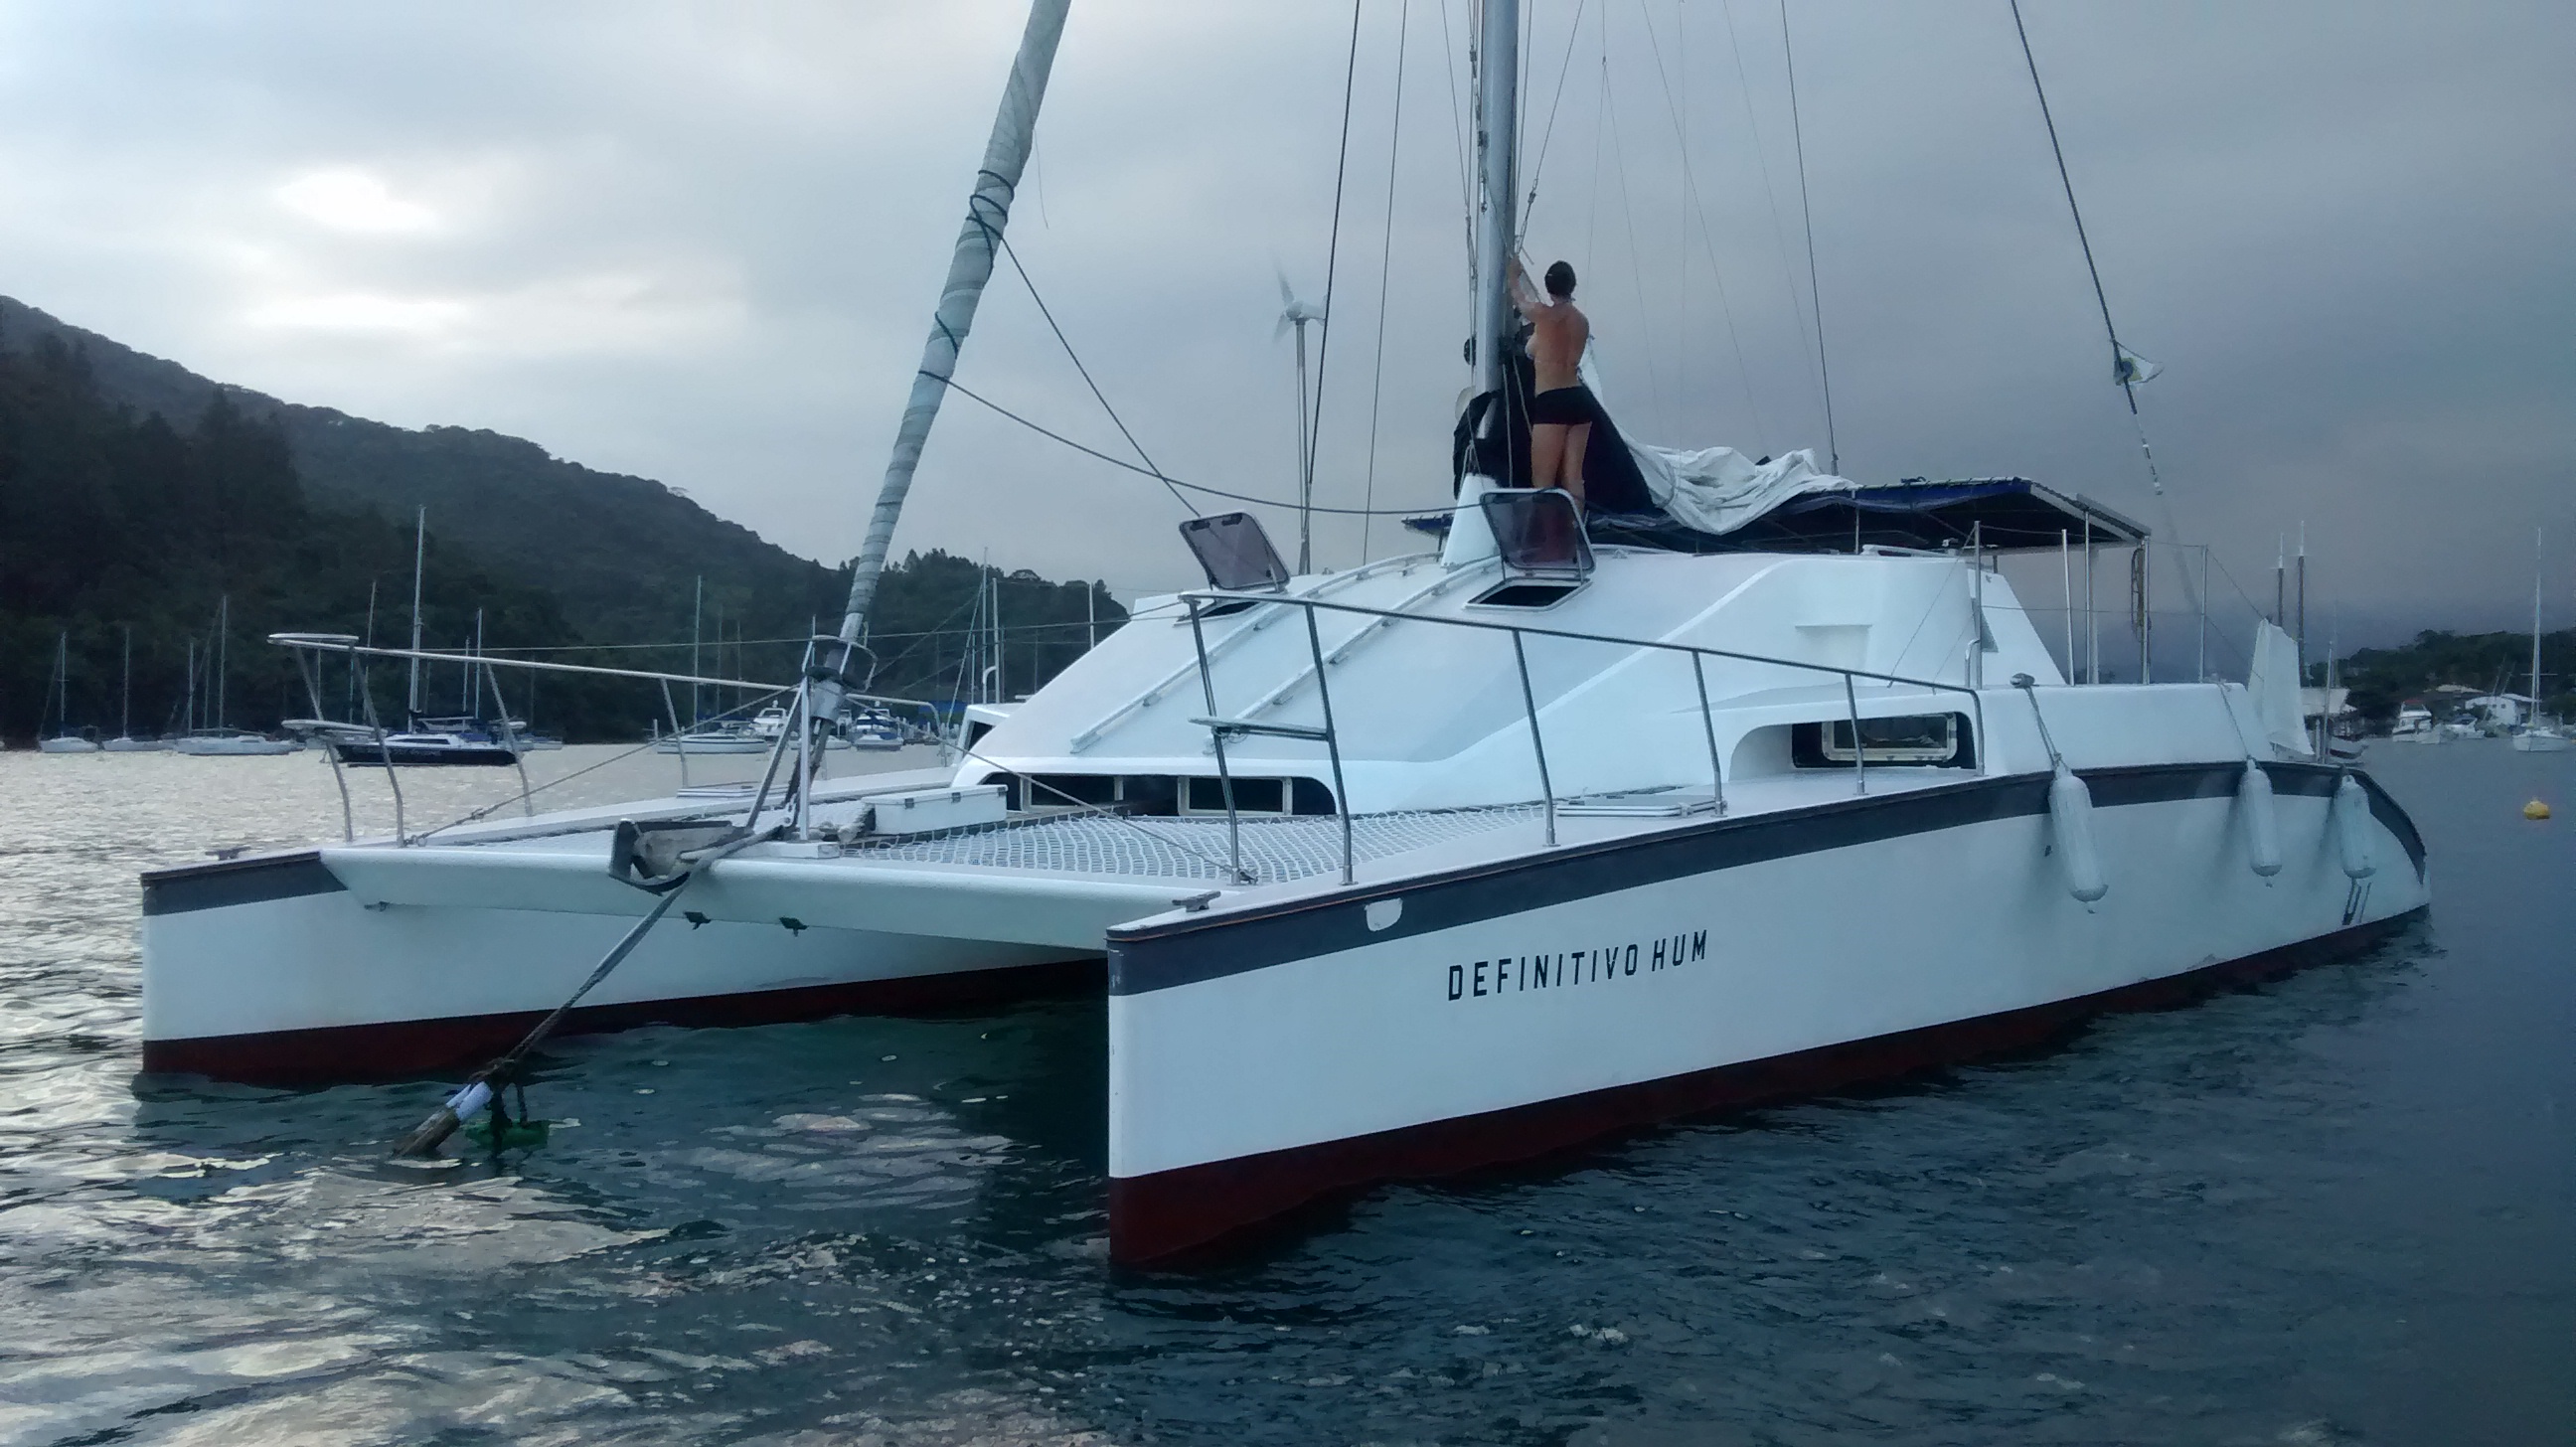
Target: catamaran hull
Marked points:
271	970
1261	1060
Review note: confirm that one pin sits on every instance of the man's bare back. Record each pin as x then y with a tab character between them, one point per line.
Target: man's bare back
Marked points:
1560	412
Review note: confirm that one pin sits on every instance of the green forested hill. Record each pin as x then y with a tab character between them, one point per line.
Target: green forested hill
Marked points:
2382	678
135	493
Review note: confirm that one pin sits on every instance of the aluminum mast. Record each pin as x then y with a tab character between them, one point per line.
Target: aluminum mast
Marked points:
1497	127
988	210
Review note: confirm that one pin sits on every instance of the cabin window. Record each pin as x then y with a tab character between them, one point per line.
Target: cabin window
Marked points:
975	731
1932	740
1251	796
1061	790
1159	794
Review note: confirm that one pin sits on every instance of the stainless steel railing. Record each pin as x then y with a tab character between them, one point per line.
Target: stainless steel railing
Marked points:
1222	726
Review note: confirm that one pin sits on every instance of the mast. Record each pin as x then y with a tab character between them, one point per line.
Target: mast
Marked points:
988	211
223	649
63	682
1498	52
2535	625
419	552
353	658
697	613
125	709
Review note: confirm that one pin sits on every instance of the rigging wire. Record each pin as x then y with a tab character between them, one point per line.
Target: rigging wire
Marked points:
1636	268
1762	158
1690	194
1009	251
1600	104
1332	257
1385	261
1573	31
1807	223
1164	478
1458	134
2121	371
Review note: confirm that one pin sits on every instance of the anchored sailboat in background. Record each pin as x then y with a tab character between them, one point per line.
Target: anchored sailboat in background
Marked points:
218	740
125	742
1752	779
2538	735
62	740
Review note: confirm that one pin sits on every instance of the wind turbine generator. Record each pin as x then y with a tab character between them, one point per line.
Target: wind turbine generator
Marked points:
1296	314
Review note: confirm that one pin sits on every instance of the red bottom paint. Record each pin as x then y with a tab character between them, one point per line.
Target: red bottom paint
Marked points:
411	1047
1178	1211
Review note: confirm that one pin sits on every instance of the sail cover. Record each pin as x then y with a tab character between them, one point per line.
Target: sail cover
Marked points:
1718	489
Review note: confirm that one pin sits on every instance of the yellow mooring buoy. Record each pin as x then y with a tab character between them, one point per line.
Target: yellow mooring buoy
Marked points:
2535	810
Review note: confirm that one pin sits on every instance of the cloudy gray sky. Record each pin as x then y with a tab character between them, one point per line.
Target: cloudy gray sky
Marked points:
700	243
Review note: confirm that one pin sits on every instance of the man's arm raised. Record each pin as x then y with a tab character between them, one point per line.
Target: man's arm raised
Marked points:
1524	300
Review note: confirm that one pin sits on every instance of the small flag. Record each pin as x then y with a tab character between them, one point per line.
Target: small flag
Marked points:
2129	369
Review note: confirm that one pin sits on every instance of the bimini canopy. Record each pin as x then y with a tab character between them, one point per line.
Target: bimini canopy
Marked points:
1716	499
2006	513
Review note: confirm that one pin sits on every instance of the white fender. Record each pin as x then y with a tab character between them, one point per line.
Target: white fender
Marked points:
2070	822
2262	829
2352	828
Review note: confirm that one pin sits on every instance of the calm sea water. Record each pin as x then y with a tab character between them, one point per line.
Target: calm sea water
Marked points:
2337	1208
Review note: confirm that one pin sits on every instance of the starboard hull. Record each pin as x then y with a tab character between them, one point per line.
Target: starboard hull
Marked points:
1500	1013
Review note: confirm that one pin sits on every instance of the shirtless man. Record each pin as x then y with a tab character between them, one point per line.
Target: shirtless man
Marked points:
1561	414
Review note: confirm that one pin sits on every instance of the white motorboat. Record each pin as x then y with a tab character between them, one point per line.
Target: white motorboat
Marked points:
2415	725
230	743
873	729
727	738
1442	860
64	740
756	735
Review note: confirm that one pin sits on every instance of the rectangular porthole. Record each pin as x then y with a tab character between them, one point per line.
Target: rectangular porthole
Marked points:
1936	740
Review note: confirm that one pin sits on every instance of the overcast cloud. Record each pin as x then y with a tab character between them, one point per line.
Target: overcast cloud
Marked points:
701	243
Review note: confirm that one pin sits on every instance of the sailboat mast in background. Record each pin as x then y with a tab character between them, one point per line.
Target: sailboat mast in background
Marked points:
419	554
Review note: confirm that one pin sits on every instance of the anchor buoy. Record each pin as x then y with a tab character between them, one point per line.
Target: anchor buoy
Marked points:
2352	828
2070	820
2262	830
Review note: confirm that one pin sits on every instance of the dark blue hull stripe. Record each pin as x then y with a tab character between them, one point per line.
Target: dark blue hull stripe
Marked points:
1185	951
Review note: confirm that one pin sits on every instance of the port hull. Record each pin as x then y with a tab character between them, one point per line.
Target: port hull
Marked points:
271	970
1499	1013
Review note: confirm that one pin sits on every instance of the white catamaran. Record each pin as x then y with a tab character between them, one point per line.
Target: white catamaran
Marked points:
1446	859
